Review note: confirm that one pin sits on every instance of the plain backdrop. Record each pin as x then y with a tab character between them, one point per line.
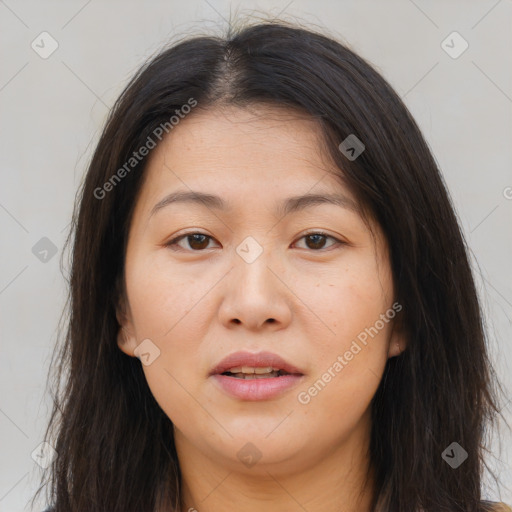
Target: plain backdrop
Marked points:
52	109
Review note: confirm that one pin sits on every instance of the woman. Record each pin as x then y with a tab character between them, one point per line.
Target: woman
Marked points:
271	301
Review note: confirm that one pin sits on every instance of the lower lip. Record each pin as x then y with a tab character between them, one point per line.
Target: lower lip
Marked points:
257	389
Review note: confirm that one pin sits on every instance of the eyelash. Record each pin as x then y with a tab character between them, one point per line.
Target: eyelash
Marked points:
172	244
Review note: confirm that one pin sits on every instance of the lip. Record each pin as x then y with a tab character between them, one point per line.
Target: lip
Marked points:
257	360
256	389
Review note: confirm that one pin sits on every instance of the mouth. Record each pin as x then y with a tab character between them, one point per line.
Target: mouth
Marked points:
260	376
247	373
261	365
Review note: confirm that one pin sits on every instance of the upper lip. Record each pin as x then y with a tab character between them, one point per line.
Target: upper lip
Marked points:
255	360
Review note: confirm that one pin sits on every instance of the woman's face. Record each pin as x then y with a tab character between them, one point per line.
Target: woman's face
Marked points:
256	277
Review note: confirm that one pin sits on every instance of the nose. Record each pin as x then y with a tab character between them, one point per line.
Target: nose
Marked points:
256	295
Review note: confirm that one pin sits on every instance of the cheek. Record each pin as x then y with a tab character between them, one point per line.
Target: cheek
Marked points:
350	301
170	308
349	361
164	298
349	371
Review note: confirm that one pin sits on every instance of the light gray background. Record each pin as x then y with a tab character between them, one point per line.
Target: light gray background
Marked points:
53	109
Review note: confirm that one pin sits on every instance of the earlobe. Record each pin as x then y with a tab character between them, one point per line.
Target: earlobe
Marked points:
126	340
123	342
395	349
398	340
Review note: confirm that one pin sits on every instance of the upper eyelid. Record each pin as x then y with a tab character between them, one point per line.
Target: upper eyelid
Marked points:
178	238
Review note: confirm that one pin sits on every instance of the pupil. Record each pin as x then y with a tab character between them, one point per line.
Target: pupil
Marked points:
198	241
195	237
317	237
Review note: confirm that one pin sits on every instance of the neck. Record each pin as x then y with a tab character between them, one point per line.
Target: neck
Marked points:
337	482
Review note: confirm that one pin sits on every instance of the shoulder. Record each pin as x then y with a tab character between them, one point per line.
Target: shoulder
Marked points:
495	507
500	507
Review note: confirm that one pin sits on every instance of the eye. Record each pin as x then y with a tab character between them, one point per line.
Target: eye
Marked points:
316	240
197	241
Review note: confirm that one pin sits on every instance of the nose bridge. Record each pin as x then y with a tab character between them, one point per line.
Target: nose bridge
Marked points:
252	262
255	295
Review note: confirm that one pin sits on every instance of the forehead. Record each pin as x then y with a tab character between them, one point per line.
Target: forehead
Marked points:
260	149
252	124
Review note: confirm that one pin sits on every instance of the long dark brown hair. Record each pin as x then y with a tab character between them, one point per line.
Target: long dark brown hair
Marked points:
115	444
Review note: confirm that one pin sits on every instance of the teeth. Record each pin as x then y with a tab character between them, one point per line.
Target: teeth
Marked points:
247	376
251	370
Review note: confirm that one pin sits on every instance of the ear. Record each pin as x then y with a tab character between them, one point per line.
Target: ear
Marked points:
398	338
126	339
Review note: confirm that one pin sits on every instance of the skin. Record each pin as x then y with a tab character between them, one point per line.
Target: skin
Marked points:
201	302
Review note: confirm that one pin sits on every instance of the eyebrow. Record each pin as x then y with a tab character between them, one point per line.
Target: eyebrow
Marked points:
289	205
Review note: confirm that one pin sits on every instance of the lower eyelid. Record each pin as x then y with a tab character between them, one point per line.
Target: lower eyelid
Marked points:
334	239
174	242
